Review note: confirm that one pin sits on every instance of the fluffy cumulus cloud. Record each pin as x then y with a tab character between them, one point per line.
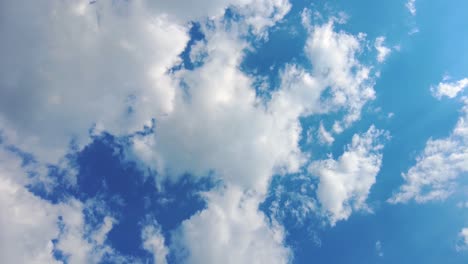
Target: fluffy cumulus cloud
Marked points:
222	117
27	220
463	240
232	230
438	167
218	114
345	183
80	242
93	62
89	66
154	242
449	89
334	55
382	50
106	66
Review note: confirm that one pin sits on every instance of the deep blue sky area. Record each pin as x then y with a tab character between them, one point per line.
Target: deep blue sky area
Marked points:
131	195
181	159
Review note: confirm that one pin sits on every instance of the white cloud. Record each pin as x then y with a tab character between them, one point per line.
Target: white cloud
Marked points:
333	55
232	230
413	31
378	248
257	15
113	60
442	162
382	50
28	224
79	241
85	64
219	114
449	89
324	136
154	242
463	240
345	183
221	126
90	64
411	6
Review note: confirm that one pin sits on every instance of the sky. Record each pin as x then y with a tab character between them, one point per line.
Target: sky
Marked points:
233	131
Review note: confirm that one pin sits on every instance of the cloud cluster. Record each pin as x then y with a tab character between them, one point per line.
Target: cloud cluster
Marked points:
89	66
232	230
109	66
33	229
334	56
219	114
220	127
101	66
92	64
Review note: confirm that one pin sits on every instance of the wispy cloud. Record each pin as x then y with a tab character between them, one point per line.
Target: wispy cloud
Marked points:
411	6
438	167
378	248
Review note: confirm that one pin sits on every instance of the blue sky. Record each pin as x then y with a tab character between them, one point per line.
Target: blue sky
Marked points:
234	131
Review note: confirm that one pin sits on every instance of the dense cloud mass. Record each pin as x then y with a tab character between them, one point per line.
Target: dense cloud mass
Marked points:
163	88
88	66
241	232
104	66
